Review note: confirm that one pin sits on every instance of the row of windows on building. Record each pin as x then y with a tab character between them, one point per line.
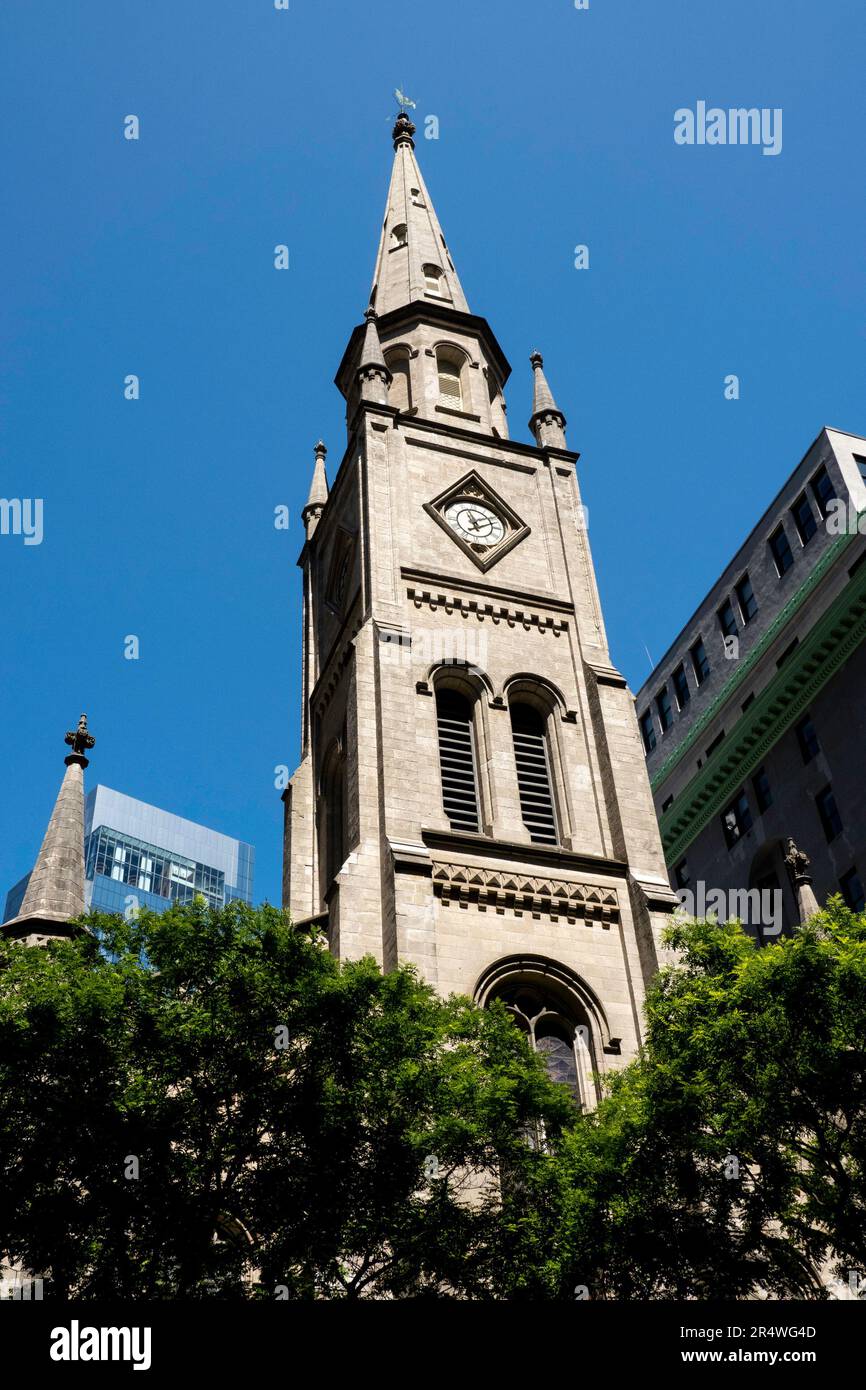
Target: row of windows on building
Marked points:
127	860
783	558
737	819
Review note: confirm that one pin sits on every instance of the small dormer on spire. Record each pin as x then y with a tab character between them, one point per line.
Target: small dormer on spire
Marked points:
318	492
547	421
374	377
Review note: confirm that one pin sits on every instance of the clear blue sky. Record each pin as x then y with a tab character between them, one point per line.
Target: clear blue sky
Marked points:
260	127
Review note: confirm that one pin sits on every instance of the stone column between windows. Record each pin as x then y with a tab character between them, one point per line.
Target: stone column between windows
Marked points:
498	749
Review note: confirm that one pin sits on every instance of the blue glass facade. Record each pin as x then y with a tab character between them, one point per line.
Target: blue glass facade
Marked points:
138	854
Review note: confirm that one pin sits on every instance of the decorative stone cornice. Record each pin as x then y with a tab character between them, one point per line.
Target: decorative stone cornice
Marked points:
505	890
497	613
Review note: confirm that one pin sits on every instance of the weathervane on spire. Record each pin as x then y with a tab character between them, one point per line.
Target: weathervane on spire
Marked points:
403	100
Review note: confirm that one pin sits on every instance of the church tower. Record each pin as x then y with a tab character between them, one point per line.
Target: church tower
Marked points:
472	795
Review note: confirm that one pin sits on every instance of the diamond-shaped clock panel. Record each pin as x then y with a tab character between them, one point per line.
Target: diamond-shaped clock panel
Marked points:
477	519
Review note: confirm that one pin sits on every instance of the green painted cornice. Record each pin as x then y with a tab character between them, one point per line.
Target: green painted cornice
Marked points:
742	670
818	656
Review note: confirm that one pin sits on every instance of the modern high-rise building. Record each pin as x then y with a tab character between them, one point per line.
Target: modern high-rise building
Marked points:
754	721
133	850
472	796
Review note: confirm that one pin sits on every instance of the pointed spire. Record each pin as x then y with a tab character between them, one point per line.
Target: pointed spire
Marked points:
547	421
373	374
55	892
413	261
318	491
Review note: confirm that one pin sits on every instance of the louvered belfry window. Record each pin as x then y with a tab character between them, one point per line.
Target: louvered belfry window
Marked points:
457	759
450	382
533	774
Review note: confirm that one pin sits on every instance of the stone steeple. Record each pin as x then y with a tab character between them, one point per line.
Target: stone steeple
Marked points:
472	796
547	421
318	491
55	893
412	246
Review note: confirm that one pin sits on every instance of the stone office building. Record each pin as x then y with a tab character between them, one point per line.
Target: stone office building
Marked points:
472	796
754	721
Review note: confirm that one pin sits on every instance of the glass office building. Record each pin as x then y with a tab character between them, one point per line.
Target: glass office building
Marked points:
136	851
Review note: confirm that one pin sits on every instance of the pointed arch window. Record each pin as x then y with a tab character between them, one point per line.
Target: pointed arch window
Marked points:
449	366
532	760
454	716
554	1029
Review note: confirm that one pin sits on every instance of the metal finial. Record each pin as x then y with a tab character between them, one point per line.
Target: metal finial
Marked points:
80	739
403	131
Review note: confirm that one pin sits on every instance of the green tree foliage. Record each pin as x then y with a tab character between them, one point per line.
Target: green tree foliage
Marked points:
732	1156
205	1103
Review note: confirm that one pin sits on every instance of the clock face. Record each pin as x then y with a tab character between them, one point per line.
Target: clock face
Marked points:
474	523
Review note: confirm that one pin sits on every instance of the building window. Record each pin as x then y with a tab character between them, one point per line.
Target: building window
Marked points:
748	700
829	813
450	369
823	491
804	519
667	804
746	599
737	820
681	687
852	890
454	716
550	1028
711	748
647	729
763	795
700	664
399	236
727	621
861	464
807	739
434	280
780	549
663	705
532	759
681	874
